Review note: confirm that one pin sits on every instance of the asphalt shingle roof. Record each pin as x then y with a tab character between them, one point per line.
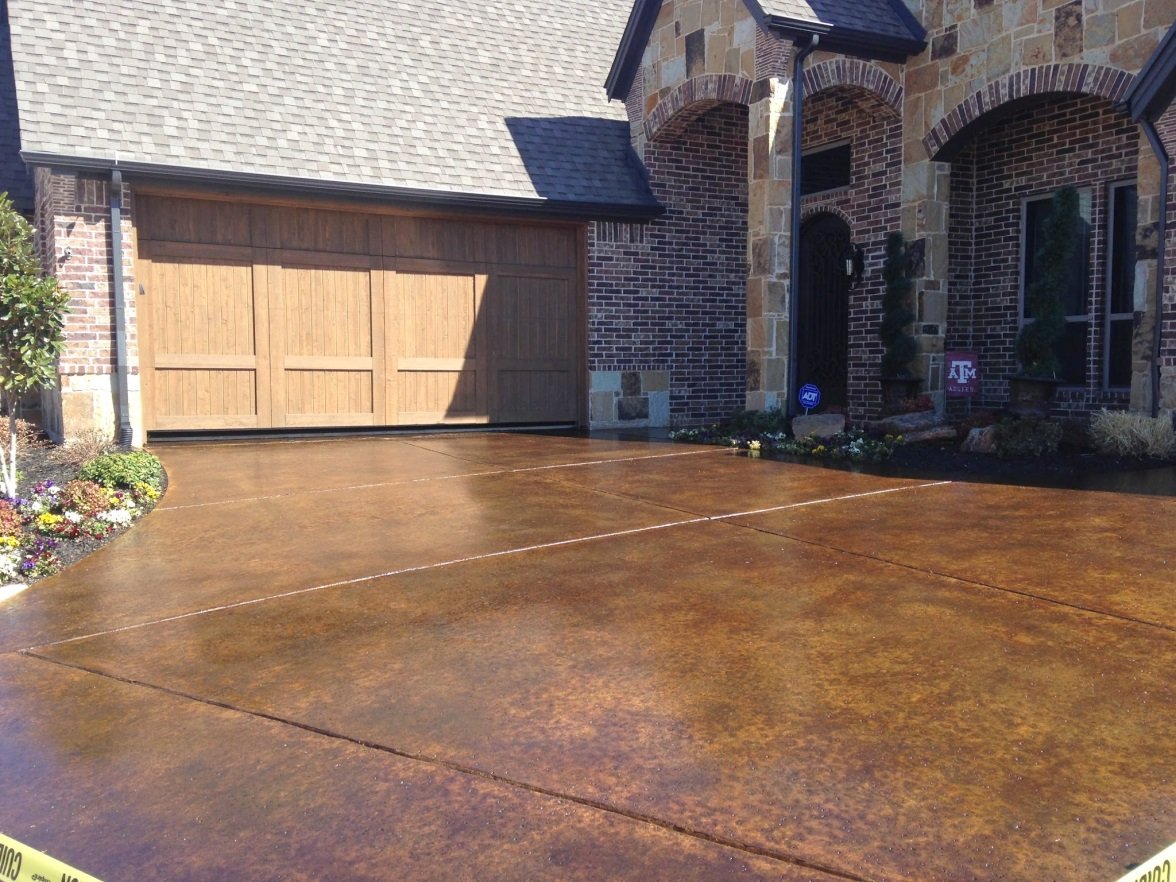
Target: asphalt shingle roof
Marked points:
14	177
500	98
874	16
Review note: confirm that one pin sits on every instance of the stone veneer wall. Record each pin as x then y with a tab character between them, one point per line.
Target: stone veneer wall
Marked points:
1079	141
870	205
667	314
73	231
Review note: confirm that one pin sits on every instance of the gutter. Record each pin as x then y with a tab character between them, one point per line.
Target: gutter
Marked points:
794	243
1157	146
442	200
122	368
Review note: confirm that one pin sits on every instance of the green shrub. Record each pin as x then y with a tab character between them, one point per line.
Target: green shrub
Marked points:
124	470
1132	434
1027	437
747	422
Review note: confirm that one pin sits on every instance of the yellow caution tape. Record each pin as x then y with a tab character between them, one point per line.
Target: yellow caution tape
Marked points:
1161	868
19	863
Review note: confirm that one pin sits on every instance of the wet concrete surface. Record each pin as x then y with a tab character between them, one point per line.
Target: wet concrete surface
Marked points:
626	661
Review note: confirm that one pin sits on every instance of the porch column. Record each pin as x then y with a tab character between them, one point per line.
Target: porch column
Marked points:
768	242
926	197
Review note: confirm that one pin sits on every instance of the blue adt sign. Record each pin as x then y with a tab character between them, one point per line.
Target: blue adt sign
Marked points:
809	396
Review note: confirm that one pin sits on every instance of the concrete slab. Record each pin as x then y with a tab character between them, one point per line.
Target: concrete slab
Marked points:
131	783
181	560
587	663
1108	552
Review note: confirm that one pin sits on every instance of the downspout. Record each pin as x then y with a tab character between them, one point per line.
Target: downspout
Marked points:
122	391
1157	146
794	242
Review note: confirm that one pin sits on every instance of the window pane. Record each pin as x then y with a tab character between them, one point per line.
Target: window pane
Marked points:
1072	353
1078	284
1122	280
1119	352
825	170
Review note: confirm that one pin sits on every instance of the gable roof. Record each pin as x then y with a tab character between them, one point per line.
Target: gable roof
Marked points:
1154	87
14	177
490	104
881	30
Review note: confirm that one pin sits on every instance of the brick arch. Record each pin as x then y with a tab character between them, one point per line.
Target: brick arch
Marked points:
692	99
808	212
854	72
1081	79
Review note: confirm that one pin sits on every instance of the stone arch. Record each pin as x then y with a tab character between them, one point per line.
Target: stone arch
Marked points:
689	100
854	72
954	129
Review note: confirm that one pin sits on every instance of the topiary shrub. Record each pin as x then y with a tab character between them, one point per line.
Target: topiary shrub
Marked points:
1026	437
896	310
124	470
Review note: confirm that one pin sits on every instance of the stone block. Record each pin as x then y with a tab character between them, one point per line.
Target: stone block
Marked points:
605	381
631	409
655	381
818	425
907	423
659	409
630	384
602	407
981	440
1068	30
935	433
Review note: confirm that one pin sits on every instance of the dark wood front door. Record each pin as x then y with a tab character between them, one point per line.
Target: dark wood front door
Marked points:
822	333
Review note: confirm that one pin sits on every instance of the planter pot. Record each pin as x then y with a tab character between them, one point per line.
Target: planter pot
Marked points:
896	390
1031	396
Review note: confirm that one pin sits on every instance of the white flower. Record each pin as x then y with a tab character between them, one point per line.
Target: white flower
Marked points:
74	517
118	516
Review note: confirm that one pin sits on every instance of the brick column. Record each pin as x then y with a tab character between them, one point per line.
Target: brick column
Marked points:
73	225
769	238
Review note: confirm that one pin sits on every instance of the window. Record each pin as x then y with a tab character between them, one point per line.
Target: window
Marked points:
1072	348
1120	287
825	168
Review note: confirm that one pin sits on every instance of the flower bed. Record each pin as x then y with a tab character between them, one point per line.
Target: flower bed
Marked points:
106	496
853	445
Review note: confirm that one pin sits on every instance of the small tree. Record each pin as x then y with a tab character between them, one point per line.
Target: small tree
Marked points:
32	323
1053	273
896	311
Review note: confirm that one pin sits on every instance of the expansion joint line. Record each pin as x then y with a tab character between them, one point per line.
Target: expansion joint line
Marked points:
472	771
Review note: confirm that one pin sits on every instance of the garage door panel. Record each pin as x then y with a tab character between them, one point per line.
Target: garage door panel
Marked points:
201	354
531	395
323	310
534	365
333	318
436	357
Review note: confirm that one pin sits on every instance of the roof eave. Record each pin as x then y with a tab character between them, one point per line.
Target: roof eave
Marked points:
633	42
436	200
869	46
1154	87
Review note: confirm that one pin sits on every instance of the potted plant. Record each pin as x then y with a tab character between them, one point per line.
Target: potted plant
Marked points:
898	383
1031	390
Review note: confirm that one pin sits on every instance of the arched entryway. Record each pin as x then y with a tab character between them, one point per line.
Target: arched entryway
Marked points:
822	331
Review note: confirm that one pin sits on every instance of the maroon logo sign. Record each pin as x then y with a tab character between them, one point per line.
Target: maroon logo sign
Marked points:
963	372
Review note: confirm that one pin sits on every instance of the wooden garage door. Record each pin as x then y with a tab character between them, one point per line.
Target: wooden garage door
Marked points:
269	317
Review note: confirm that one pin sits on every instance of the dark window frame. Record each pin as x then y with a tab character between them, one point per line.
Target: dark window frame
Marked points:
1028	253
1120	268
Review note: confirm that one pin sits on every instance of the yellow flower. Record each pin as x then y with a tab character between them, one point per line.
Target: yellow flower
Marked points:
48	520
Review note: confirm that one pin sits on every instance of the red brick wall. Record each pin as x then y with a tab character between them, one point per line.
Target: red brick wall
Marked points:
1167	130
73	213
870	204
672	296
1081	141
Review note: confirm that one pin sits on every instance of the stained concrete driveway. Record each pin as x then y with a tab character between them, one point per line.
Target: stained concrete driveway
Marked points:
517	657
